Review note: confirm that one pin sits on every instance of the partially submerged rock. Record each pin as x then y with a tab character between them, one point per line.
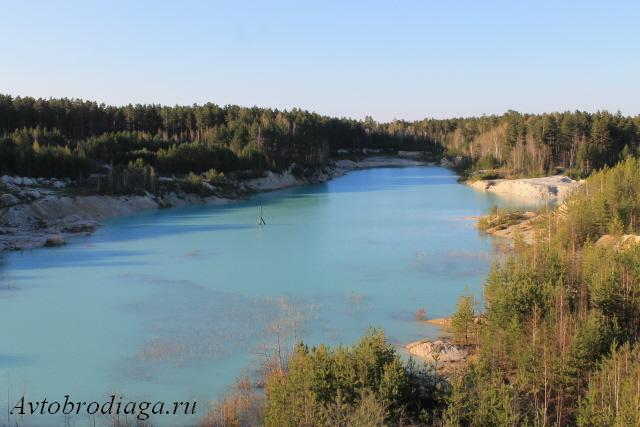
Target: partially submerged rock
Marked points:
437	351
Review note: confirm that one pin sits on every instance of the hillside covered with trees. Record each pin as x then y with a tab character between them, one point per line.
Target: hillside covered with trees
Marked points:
560	339
74	138
537	144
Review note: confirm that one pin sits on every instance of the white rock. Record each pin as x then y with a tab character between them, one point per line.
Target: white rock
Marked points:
436	351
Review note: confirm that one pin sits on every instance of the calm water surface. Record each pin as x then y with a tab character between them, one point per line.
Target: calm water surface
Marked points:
175	304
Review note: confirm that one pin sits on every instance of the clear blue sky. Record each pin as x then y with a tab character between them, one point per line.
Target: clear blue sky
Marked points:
391	59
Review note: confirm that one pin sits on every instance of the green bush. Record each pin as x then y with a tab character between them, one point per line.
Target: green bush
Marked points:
321	385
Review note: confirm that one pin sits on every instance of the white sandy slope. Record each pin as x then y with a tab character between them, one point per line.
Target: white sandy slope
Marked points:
553	188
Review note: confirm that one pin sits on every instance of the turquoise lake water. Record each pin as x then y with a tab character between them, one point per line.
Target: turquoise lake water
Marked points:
173	305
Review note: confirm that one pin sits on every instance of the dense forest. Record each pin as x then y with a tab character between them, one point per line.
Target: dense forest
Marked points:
517	144
556	339
75	138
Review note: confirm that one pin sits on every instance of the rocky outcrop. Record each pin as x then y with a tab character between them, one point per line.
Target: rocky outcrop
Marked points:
436	351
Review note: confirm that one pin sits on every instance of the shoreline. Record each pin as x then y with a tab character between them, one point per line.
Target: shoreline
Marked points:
49	216
46	215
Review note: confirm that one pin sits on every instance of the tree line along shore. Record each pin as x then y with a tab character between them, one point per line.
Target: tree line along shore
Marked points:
130	146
